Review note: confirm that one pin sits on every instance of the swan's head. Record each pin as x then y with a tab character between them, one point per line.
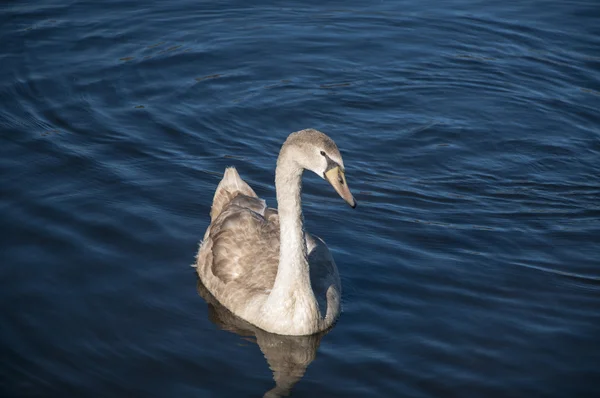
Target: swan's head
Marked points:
315	151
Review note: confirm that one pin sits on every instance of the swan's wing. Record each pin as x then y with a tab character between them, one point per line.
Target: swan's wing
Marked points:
230	186
323	271
245	246
241	245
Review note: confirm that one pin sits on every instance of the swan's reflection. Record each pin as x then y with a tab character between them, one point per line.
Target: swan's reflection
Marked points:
287	356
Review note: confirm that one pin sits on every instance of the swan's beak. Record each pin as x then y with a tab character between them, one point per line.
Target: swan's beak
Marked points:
337	179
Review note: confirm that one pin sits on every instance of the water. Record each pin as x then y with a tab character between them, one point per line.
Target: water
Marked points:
470	132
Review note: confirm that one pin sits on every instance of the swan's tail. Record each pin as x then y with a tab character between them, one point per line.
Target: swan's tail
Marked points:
230	186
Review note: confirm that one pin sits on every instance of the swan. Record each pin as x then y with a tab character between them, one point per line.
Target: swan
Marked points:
259	262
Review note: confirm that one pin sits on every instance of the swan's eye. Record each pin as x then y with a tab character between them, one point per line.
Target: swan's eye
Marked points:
322	153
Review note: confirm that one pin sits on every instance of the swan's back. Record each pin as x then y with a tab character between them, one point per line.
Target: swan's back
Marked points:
240	252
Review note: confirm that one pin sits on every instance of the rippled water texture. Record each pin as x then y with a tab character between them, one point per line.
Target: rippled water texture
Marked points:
470	132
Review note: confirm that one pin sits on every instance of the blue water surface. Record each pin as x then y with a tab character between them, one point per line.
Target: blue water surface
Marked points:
470	131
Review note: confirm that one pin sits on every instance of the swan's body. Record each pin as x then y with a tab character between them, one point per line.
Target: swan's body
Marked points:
259	262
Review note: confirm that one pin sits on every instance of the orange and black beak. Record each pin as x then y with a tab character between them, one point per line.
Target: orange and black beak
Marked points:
337	179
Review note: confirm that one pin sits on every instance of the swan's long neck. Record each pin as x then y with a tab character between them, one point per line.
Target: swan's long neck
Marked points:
292	292
293	263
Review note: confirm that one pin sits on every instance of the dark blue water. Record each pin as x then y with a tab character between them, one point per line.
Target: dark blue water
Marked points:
471	136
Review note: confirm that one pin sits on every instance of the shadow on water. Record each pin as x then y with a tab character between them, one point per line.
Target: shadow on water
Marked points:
287	356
